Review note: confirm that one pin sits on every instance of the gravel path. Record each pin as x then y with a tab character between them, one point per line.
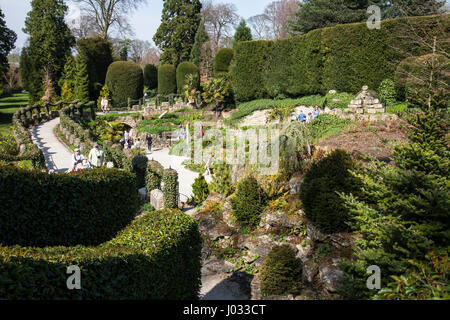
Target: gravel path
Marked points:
57	157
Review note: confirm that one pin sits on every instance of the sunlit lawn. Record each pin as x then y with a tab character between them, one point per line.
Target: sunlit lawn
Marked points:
8	106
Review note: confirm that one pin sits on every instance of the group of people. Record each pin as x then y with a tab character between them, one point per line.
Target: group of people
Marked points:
96	159
127	142
302	117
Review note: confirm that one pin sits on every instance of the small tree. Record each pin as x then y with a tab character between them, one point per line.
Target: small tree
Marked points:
386	91
190	89
82	80
103	93
217	90
200	189
67	93
243	33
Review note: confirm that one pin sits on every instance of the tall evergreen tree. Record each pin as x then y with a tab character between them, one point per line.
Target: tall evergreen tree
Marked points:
82	79
315	14
31	75
69	74
410	8
243	33
176	34
7	40
200	38
49	36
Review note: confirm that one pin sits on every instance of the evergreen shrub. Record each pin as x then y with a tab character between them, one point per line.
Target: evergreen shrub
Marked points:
125	80
167	79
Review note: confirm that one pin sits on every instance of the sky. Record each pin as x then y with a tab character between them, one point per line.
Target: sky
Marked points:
145	20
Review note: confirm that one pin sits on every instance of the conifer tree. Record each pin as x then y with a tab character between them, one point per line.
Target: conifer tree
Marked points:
82	80
200	38
243	33
69	73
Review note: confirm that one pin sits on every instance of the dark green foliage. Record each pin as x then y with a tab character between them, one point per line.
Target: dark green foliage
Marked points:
329	58
7	41
30	74
243	33
403	213
170	189
98	55
411	8
248	202
247	70
151	76
155	173
86	208
167	79
139	167
184	69
176	34
81	91
200	38
222	61
319	192
157	257
315	14
50	39
125	80
69	74
200	189
281	272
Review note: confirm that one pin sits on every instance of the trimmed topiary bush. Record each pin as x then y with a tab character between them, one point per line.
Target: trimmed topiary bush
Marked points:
139	167
155	173
85	208
281	272
167	79
157	257
125	80
170	188
183	70
200	189
151	76
248	203
319	192
222	61
386	92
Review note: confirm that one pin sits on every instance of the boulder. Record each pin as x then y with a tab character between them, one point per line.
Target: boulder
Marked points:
157	199
309	271
295	183
332	278
314	233
304	253
277	222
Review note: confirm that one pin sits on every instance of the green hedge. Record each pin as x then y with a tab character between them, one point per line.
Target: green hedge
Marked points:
151	76
158	256
183	70
167	79
125	80
222	61
344	58
86	208
170	188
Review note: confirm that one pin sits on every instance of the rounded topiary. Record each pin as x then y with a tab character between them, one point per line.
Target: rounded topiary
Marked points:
139	167
167	80
200	189
125	80
319	192
184	69
155	172
248	202
170	189
151	76
222	61
281	272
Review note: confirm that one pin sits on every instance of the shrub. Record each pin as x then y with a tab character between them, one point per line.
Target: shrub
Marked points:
217	91
103	93
221	181
151	76
155	172
85	208
319	191
200	189
139	167
387	93
157	257
184	69
125	80
281	272
170	188
167	79
222	61
248	203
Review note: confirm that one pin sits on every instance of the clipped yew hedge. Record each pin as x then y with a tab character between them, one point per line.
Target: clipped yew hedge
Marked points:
344	58
125	80
184	69
158	256
167	79
83	208
222	61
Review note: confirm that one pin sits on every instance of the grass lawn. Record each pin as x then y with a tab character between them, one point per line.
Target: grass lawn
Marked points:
8	106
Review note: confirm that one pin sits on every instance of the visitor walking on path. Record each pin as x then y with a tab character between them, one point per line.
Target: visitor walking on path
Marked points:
105	105
149	143
137	144
126	136
96	156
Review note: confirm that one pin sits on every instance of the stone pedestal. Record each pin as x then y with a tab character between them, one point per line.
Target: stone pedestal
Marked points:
157	199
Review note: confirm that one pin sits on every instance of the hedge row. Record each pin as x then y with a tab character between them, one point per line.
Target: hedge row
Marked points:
158	256
344	58
85	208
222	61
184	69
167	79
125	80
